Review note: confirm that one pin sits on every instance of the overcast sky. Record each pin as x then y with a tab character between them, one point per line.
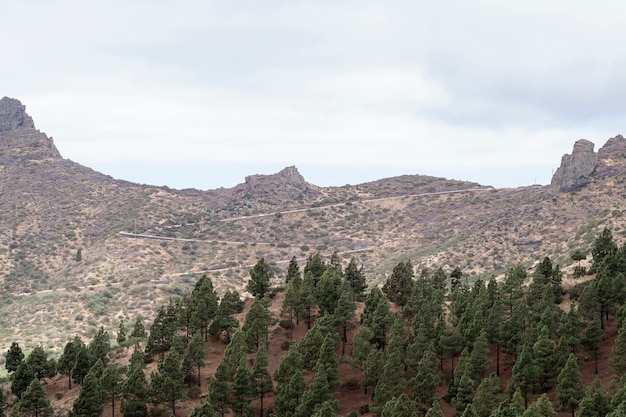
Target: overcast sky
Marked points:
202	93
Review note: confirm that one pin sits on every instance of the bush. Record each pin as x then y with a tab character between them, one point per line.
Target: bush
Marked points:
364	409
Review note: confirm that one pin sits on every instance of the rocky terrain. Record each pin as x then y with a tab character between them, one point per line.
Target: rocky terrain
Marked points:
80	249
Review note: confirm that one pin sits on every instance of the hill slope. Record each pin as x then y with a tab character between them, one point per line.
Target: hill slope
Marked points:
141	244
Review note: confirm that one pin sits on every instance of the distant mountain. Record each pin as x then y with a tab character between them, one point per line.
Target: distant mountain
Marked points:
140	245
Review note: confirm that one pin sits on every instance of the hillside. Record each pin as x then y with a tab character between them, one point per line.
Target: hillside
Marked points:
141	244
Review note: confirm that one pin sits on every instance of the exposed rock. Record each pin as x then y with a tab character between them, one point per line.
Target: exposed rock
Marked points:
18	137
13	115
612	158
288	183
576	169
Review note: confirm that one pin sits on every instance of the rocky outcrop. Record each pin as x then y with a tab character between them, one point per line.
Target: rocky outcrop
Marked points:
576	169
612	158
19	140
288	183
13	116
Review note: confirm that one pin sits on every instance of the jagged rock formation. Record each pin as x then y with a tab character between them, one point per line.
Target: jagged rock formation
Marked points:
18	137
612	158
576	169
288	183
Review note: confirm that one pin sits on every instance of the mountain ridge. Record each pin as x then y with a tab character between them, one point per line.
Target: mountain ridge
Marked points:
55	208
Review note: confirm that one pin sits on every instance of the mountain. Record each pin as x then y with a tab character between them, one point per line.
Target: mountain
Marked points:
80	249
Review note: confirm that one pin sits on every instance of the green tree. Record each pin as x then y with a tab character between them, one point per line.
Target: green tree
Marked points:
427	379
260	375
487	397
204	409
435	410
139	331
288	365
318	393
260	277
315	267
219	389
194	356
14	356
328	291
306	300
354	275
21	379
540	408
100	346
225	322
288	395
401	406
293	270
592	339
525	373
544	351
345	313
89	400
167	384
111	385
290	308
256	323
33	402
455	279
595	402
68	359
38	362
399	285
135	393
121	333
570	389
577	256
204	305
328	360
618	354
325	409
81	365
243	389
3	402
604	247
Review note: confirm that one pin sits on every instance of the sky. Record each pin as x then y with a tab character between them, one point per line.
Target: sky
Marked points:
203	93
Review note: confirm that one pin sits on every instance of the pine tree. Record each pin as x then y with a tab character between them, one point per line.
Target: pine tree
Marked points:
293	270
121	333
618	353
204	304
100	346
328	360
139	331
260	375
328	291
224	321
22	379
570	389
82	364
427	379
68	359
167	384
33	402
288	365
478	358
135	392
345	313
540	408
38	362
544	351
401	406
243	390
354	275
325	409
487	397
318	392
315	267
3	402
399	285
89	400
204	409
595	403
288	395
13	357
290	307
525	373
260	277
111	385
194	356
219	389
255	325
435	410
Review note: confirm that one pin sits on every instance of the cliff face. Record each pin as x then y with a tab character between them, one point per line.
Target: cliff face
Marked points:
612	158
576	169
19	140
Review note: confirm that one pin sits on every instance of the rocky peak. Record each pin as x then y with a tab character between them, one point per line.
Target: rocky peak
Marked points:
18	137
612	158
13	115
287	183
576	169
